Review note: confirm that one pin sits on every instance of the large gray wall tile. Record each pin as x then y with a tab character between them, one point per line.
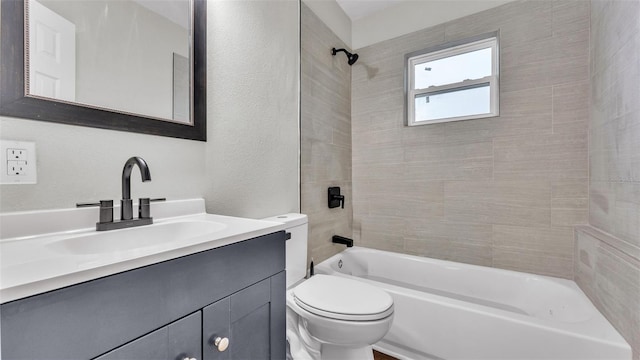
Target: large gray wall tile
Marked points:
469	243
523	203
541	157
570	16
571	108
547	251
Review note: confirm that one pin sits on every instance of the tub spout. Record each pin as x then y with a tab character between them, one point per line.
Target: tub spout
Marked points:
337	239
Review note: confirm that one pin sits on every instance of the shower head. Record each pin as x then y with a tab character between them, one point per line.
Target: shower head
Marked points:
352	57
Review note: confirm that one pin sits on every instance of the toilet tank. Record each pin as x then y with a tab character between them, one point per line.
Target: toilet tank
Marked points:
296	246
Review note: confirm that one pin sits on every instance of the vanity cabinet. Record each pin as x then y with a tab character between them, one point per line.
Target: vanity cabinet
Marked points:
171	310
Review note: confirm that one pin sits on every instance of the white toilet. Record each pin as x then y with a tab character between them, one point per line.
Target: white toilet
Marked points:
329	317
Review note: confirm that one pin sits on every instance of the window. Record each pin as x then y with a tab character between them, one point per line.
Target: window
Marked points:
455	82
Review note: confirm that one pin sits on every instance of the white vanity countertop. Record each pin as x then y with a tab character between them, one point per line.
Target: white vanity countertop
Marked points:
46	250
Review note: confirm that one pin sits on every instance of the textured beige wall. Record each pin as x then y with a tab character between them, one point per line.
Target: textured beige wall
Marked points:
503	192
253	142
326	135
608	251
248	166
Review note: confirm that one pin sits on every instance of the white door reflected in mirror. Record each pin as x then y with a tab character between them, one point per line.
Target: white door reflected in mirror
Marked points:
52	49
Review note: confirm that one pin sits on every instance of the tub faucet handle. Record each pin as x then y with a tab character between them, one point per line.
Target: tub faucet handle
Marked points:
335	199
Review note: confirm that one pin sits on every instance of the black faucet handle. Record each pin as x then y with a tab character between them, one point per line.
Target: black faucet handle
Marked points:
335	199
106	209
144	207
100	203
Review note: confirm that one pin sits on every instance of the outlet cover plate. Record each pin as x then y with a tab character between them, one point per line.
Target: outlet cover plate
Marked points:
18	152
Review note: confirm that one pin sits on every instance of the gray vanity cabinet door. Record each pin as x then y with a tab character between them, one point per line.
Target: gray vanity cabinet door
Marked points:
176	341
215	324
252	319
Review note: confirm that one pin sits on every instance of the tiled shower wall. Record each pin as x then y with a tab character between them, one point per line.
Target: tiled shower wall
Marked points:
503	192
608	251
326	134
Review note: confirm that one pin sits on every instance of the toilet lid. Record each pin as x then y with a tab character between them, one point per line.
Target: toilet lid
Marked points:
343	299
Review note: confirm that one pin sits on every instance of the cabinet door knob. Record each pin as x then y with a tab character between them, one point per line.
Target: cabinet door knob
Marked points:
221	343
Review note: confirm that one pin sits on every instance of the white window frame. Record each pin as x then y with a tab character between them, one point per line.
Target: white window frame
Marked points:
448	50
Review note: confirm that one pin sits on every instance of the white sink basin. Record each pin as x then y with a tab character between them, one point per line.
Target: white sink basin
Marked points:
138	238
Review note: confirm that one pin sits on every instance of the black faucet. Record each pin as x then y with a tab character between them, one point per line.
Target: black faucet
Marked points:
126	204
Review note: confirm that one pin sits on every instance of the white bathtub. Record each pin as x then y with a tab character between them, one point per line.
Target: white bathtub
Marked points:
449	310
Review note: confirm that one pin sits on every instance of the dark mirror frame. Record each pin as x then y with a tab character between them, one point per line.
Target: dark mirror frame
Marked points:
14	103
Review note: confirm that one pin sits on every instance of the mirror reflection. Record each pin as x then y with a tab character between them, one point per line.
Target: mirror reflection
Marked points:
130	56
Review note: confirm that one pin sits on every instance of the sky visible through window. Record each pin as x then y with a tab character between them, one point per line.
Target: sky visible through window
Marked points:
453	104
450	70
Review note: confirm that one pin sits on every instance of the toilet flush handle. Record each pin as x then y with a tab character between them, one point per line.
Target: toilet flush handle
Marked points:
221	343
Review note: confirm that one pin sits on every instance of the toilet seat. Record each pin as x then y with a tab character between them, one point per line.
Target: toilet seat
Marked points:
343	299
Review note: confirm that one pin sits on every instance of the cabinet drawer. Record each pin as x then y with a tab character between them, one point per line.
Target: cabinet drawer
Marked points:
176	341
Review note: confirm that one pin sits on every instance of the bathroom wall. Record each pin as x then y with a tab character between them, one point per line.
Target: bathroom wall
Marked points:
325	134
608	250
253	147
332	15
248	166
504	191
409	16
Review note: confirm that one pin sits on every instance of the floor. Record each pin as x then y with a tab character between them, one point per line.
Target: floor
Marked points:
381	356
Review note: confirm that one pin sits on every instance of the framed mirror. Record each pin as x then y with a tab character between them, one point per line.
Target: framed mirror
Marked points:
129	65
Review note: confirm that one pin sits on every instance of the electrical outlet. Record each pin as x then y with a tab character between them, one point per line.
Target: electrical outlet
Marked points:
17	154
17	162
16	168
